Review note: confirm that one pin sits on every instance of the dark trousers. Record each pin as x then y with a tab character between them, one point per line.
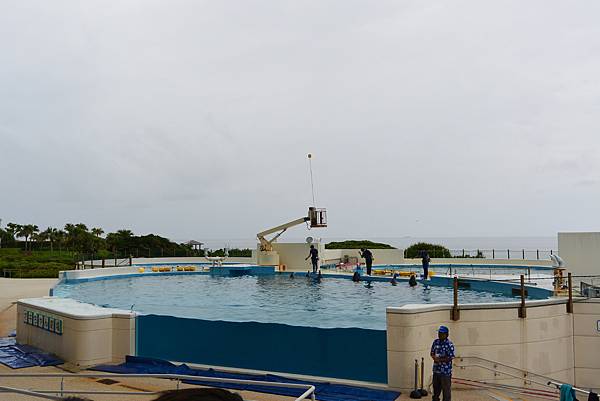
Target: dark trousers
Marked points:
441	384
369	266
315	264
425	272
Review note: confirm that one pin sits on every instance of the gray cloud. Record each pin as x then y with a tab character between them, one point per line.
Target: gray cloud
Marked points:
194	118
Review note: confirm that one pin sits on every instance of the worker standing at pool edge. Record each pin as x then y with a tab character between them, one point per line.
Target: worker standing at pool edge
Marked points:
442	353
425	260
314	258
368	256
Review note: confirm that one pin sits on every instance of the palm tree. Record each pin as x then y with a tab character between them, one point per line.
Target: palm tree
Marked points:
60	237
26	232
37	238
70	234
49	234
125	233
97	232
81	227
78	236
12	229
32	229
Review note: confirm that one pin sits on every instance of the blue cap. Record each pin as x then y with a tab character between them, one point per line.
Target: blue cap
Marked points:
443	329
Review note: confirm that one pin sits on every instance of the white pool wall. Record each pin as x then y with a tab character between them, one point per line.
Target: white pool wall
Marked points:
97	272
91	335
549	341
581	253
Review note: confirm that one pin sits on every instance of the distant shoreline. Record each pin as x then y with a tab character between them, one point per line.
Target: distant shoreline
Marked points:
470	243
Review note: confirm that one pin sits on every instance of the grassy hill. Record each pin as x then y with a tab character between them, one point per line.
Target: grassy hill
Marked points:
35	264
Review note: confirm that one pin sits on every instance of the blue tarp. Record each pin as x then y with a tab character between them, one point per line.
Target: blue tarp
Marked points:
324	391
18	356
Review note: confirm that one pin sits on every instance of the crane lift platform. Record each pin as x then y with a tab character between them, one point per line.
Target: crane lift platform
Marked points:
267	256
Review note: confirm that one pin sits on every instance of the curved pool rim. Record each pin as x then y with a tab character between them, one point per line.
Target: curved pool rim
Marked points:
326	354
475	284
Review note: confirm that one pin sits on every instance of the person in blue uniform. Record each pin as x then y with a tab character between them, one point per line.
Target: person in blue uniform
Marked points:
442	353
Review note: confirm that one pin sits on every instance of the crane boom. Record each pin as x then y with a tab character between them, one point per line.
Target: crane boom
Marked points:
265	244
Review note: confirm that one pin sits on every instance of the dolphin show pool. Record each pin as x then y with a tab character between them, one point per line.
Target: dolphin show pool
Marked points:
275	298
252	317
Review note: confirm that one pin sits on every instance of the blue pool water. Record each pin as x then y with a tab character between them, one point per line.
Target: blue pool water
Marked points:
331	303
474	269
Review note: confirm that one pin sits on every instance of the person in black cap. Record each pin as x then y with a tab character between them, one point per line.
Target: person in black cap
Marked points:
368	256
442	353
425	259
314	258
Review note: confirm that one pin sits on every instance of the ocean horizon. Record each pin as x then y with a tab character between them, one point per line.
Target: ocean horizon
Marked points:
453	243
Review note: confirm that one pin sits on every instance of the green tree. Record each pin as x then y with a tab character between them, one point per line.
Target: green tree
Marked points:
70	235
12	229
38	238
434	251
60	238
26	232
120	240
79	238
97	232
357	244
125	233
7	239
49	234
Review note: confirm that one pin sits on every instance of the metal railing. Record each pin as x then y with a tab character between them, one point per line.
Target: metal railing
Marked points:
524	391
559	385
532	383
499	369
102	263
591	289
481	271
8	273
309	389
516	254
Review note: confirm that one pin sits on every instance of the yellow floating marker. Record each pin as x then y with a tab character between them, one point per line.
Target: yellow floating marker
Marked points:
155	269
141	270
180	268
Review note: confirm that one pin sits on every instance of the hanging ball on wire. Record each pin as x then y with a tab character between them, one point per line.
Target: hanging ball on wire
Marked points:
309	155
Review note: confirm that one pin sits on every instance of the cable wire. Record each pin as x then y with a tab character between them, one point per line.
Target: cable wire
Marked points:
311	179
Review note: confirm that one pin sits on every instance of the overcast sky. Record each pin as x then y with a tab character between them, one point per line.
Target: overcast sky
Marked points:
193	119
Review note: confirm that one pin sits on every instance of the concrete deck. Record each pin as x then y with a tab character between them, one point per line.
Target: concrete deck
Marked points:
145	384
